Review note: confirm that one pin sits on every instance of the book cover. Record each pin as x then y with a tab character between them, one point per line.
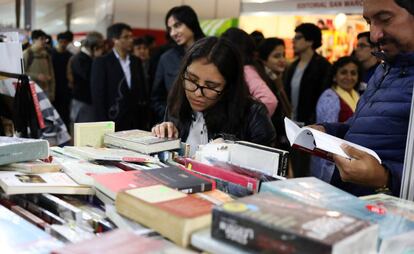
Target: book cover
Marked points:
121	241
251	183
19	236
19	183
173	214
109	154
34	167
176	178
91	134
319	143
267	223
14	149
141	141
315	192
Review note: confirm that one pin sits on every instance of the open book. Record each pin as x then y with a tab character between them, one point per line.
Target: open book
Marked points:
319	143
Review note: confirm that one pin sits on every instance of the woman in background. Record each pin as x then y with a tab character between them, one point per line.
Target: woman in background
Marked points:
253	74
337	104
271	55
210	99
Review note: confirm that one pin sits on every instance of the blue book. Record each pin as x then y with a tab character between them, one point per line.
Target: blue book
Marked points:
19	236
312	191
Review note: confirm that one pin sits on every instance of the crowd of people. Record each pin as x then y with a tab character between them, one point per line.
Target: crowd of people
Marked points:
240	86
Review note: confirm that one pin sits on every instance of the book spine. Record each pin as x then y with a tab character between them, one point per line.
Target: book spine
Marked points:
30	217
233	228
211	185
245	181
36	105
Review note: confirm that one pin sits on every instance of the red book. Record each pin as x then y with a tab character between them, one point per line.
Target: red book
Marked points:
36	105
227	174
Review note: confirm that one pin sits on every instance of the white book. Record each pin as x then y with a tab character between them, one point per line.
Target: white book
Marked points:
319	143
80	171
58	183
203	240
109	154
35	167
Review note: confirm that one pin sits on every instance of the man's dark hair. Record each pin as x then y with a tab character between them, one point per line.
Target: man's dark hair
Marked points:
186	15
311	33
114	31
267	46
366	35
140	41
228	113
68	36
36	34
406	4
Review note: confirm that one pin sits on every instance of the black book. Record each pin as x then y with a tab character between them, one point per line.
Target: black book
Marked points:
180	179
271	224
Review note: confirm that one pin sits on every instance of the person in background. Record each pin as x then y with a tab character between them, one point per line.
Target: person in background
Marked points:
305	80
254	76
382	115
184	28
38	64
81	65
363	52
60	58
337	104
271	55
210	99
142	51
118	86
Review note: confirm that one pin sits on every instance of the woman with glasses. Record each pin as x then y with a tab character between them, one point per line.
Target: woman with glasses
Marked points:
210	99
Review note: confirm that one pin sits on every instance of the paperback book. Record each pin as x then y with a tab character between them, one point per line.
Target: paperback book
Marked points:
141	141
271	224
14	149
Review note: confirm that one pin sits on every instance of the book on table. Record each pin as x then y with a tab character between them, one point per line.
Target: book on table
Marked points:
92	133
14	149
319	143
267	223
19	183
34	167
112	183
315	192
108	154
173	214
140	141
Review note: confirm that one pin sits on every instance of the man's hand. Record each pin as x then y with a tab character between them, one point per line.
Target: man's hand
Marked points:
362	169
165	129
317	127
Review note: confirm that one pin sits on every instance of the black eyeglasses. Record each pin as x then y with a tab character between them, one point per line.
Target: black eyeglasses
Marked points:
192	86
362	45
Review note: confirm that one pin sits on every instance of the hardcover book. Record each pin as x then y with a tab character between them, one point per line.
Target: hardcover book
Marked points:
315	192
19	236
22	149
173	214
173	177
91	134
319	143
267	223
19	183
140	141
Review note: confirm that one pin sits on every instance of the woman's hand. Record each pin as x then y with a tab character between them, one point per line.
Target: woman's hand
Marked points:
165	130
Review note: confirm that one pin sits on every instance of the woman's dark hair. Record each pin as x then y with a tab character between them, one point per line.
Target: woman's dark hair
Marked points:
267	46
341	62
311	33
186	15
229	111
243	42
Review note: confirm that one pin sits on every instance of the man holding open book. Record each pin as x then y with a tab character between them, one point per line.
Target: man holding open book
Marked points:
381	119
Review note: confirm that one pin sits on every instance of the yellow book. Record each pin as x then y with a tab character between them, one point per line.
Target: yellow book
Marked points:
91	134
